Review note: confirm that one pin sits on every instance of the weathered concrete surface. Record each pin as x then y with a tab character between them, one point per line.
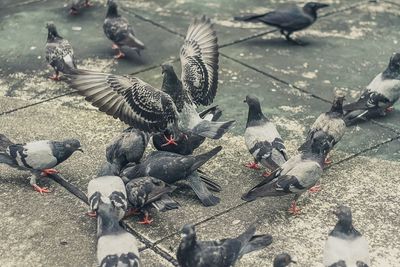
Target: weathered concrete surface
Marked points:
346	48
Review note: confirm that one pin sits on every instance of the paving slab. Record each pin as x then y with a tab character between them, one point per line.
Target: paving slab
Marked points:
368	185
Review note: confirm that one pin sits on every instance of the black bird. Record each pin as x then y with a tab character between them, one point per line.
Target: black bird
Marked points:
329	127
118	30
144	192
76	5
262	138
221	253
185	144
345	243
170	168
38	157
283	260
377	100
59	53
288	19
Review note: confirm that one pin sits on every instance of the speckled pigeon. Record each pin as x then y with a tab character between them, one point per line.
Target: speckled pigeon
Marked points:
378	99
38	157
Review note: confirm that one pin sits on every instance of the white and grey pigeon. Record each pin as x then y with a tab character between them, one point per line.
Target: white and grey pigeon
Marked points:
38	157
328	127
345	243
151	110
76	5
262	138
119	31
115	246
109	190
295	176
283	260
377	100
59	53
146	192
222	253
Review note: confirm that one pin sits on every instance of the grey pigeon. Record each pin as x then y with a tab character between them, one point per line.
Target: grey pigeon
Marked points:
262	138
59	53
170	168
38	157
185	144
119	31
147	191
222	253
329	127
283	260
288	19
108	190
76	5
377	100
295	176
345	243
115	246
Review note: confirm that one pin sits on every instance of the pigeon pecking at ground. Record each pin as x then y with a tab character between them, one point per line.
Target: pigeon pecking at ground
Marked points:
119	31
185	144
115	246
76	5
262	138
222	253
283	260
378	99
59	53
345	243
170	168
295	176
38	157
144	192
329	127
288	19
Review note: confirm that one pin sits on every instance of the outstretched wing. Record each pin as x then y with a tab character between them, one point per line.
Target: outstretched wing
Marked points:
199	60
129	99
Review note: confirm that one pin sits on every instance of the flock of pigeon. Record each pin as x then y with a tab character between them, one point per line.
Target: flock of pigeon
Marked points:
128	183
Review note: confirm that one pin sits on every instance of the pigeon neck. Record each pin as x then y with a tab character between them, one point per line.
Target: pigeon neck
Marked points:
392	72
173	87
310	11
61	152
345	227
108	224
255	115
337	106
52	35
112	12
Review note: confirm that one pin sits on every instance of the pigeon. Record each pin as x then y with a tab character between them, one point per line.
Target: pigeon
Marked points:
170	168
76	5
109	190
222	253
151	110
345	243
262	138
283	260
185	144
38	157
288	19
119	31
295	176
145	191
377	100
115	246
329	126
59	53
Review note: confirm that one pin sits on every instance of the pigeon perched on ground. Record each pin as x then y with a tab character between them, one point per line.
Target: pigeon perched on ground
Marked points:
76	5
288	19
59	53
221	253
378	99
262	139
147	191
345	243
185	144
115	246
119	31
295	176
329	127
170	168
38	157
109	190
283	260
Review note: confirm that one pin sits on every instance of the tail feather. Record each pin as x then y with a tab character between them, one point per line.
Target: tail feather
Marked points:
263	190
209	183
211	129
211	114
200	189
249	17
256	243
4	142
165	203
70	187
199	160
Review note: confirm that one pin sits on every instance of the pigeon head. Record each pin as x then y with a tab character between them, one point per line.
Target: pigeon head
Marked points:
252	100
255	115
112	10
393	70
72	145
283	260
137	197
337	105
188	235
169	73
52	31
312	7
343	214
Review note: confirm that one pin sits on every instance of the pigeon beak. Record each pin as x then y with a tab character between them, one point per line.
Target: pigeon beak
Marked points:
292	261
80	149
245	101
320	5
